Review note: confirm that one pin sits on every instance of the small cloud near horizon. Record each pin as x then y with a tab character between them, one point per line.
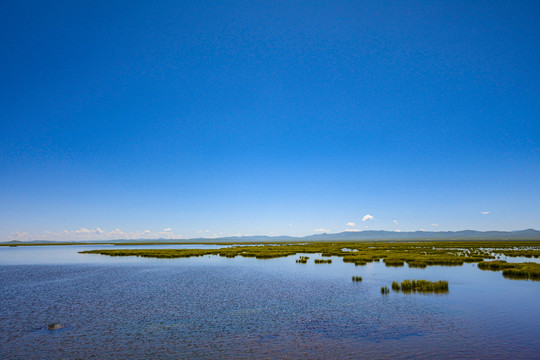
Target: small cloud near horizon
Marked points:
322	230
367	217
484	212
85	234
350	223
395	221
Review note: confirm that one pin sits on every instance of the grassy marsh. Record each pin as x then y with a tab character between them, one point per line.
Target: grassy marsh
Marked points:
516	271
414	254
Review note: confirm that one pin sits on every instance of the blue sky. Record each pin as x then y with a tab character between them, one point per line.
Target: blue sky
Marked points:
125	119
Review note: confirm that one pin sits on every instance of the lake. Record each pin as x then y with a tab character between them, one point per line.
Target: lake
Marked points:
215	307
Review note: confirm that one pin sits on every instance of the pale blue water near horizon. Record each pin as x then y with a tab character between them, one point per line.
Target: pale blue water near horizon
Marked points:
214	307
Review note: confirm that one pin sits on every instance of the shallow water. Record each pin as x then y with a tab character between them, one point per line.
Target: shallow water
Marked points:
215	307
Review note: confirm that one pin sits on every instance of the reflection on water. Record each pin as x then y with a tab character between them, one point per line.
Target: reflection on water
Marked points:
69	254
214	307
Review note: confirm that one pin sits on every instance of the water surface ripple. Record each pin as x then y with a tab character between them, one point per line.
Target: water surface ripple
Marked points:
246	308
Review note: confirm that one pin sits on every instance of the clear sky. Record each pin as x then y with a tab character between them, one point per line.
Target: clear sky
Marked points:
125	119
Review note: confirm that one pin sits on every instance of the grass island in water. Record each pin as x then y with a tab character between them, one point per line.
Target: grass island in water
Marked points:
421	286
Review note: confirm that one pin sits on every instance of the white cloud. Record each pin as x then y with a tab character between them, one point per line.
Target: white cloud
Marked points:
352	230
484	212
351	224
367	217
395	221
397	230
19	235
434	225
97	234
322	230
116	232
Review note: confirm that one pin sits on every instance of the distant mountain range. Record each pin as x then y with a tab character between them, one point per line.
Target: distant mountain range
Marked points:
368	235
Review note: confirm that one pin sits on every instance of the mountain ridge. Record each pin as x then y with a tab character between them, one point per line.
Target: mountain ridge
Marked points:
366	235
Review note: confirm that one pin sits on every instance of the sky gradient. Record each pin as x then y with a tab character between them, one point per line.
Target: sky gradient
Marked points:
127	119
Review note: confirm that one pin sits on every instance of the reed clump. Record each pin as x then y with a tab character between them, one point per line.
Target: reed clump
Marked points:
494	265
530	271
323	261
357	278
394	262
514	271
421	286
385	290
302	260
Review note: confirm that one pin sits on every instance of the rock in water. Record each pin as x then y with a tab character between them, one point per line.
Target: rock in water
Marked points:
55	326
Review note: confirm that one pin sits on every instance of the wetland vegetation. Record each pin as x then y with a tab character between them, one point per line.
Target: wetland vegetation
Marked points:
323	261
415	254
518	271
421	286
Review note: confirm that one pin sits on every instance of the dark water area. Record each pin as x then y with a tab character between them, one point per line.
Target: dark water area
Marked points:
212	307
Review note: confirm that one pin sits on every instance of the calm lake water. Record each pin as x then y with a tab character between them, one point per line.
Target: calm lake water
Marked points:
214	307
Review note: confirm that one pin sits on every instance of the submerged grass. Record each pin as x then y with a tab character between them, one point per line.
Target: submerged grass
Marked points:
415	254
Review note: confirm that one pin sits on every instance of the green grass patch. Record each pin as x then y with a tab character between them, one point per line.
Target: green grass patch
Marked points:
421	286
513	271
323	261
394	262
